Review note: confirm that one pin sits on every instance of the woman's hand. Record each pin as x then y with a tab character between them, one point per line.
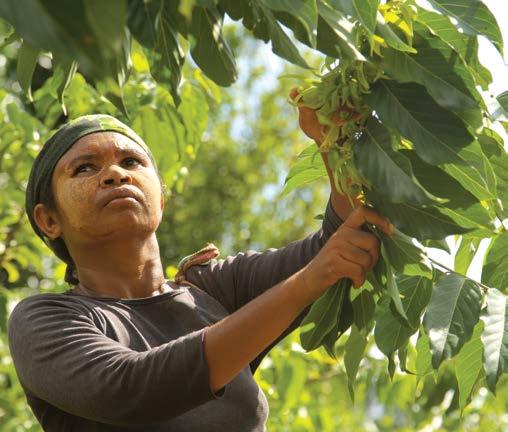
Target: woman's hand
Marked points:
348	253
309	122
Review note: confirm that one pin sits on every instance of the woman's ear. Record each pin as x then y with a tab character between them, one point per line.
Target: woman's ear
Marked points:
47	221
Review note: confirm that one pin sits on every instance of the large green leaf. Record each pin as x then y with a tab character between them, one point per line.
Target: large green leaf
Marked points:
475	218
423	360
209	49
65	68
465	253
342	28
405	257
391	333
437	67
495	266
474	171
304	14
363	309
416	292
262	22
322	316
365	11
419	222
474	18
354	351
27	60
437	134
308	168
386	168
155	28
107	20
452	313
495	337
390	37
465	45
468	366
391	283
439	183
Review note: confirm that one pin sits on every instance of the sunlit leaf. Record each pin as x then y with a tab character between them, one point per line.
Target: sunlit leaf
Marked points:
451	315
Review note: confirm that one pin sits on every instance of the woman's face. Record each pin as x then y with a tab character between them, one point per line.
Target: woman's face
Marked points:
104	186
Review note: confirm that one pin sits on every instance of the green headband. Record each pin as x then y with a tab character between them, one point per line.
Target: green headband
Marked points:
39	182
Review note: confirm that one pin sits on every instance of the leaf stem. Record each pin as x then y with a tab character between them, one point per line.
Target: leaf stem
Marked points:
485	288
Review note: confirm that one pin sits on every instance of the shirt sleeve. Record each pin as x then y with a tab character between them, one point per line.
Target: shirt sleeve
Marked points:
238	279
62	357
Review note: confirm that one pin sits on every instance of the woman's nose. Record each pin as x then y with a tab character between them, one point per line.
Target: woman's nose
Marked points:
115	175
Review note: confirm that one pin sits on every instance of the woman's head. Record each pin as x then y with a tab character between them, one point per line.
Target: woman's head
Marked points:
84	165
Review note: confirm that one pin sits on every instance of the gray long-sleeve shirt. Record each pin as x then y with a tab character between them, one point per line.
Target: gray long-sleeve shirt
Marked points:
103	364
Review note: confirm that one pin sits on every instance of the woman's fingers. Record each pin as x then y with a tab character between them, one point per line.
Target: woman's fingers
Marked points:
354	271
358	256
361	215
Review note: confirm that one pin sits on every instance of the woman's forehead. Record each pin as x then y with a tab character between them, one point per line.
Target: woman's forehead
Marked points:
98	143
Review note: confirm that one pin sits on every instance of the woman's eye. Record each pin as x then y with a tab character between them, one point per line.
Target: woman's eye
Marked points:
129	161
82	168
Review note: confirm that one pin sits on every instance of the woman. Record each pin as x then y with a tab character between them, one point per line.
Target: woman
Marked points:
125	349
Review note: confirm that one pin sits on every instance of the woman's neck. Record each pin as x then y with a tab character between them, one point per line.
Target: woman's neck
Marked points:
130	269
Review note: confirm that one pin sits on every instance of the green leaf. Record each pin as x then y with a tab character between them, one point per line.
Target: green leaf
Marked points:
474	18
390	37
468	366
415	292
27	60
67	69
437	67
390	332
308	168
261	21
354	350
303	11
452	313
439	183
466	46
387	169
421	223
107	20
495	337
475	219
465	253
322	316
344	320
405	257
209	49
391	283
423	357
502	98
437	134
495	266
363	309
342	28
155	28
365	11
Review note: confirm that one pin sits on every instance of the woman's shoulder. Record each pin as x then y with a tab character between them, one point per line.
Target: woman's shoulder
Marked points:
44	303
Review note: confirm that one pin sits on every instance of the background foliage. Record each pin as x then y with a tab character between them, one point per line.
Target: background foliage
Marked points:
231	144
